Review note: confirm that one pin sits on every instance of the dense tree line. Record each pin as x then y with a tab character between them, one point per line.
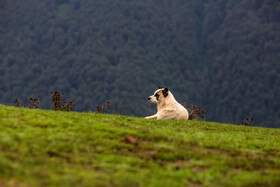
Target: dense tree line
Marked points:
220	55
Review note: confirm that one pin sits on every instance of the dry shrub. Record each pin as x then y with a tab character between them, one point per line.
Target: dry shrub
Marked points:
17	102
247	122
57	99
195	112
34	103
99	108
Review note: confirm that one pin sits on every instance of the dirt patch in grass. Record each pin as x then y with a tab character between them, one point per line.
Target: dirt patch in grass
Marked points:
237	154
198	148
195	184
42	125
13	183
275	183
56	154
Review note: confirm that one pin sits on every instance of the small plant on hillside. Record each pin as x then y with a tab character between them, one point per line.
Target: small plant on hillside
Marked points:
17	102
57	99
195	112
247	122
34	103
107	105
30	102
99	108
69	106
121	111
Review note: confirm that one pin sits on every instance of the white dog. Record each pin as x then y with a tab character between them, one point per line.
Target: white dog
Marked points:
167	106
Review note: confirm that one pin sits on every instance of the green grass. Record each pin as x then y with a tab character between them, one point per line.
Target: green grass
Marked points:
48	148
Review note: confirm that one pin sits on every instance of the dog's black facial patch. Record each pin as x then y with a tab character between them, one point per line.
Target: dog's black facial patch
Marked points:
165	92
157	96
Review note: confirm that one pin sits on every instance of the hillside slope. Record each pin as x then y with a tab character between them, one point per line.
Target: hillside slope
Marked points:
220	55
48	148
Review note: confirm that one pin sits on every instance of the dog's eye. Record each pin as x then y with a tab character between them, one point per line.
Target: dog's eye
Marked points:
156	95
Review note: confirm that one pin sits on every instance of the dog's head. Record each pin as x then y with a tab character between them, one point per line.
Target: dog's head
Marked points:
159	96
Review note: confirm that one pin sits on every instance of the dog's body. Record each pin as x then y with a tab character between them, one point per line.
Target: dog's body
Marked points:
167	106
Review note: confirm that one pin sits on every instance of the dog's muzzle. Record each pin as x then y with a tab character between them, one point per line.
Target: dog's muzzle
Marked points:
149	99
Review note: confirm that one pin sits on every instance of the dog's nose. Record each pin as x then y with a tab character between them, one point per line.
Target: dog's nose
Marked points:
149	98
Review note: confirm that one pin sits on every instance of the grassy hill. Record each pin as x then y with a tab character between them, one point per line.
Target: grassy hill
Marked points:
48	148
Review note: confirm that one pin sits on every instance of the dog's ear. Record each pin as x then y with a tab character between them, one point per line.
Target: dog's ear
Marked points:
165	92
159	87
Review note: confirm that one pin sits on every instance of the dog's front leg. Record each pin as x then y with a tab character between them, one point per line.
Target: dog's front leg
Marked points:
151	117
